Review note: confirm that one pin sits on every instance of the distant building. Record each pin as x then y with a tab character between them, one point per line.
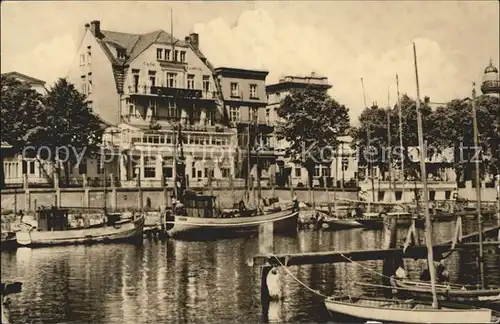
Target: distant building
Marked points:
13	165
145	85
491	81
345	167
34	83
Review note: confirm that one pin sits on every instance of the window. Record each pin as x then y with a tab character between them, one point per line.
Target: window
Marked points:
190	81
159	53
225	172
82	59
168	172
149	172
84	85
149	167
234	113
176	55
171	80
171	109
152	78
167	55
135	75
183	56
235	89
131	107
82	167
32	167
298	172
89	57
268	115
253	91
254	114
210	117
152	107
206	83
120	53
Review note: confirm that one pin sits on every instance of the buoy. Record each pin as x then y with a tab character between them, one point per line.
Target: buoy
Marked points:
274	284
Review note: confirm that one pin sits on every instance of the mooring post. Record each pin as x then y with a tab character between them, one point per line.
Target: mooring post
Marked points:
390	242
270	276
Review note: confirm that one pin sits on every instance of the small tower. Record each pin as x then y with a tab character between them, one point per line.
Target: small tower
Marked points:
491	82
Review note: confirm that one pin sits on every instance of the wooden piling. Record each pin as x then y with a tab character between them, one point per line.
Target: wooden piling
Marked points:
390	241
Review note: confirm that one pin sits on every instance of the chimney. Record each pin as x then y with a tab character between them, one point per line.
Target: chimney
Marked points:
427	100
194	39
95	27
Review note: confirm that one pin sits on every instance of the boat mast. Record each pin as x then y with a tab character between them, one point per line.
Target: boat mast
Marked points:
400	113
478	185
389	142
367	145
423	173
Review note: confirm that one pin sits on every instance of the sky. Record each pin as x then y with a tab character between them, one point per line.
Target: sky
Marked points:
342	40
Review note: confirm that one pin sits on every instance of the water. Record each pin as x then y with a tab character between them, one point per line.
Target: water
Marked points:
176	281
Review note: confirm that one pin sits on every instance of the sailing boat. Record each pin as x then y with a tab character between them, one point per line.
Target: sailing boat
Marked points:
198	218
458	292
410	311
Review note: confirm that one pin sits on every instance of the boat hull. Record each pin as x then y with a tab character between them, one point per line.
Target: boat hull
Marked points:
423	289
339	224
402	312
120	232
198	228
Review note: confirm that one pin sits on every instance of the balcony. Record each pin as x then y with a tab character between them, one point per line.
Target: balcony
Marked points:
178	93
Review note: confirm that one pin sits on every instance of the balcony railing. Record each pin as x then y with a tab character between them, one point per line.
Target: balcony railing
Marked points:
171	92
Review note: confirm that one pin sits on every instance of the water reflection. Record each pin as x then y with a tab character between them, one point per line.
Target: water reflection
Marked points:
175	281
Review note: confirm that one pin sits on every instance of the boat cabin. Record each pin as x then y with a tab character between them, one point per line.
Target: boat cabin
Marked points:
52	219
197	206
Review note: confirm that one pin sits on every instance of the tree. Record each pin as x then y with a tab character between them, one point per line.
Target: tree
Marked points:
454	125
21	116
71	131
373	125
312	122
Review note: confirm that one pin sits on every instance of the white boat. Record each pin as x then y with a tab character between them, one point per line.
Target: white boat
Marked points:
405	311
53	229
199	220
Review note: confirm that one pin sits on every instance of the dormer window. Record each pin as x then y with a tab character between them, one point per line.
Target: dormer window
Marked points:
159	53
167	55
176	55
183	56
120	53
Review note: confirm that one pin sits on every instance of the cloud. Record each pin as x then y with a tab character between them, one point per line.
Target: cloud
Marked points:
256	41
47	61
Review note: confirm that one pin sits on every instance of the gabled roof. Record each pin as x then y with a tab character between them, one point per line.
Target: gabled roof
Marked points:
24	77
133	45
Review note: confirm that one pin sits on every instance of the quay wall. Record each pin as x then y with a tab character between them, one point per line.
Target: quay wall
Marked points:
153	198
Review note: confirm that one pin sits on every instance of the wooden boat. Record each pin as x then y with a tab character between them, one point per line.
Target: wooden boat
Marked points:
376	220
447	292
199	220
53	229
405	311
336	223
8	241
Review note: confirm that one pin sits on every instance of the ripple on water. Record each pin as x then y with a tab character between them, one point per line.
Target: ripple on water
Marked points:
175	281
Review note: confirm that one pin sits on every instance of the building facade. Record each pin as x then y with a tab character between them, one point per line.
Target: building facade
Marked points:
150	88
343	169
245	101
